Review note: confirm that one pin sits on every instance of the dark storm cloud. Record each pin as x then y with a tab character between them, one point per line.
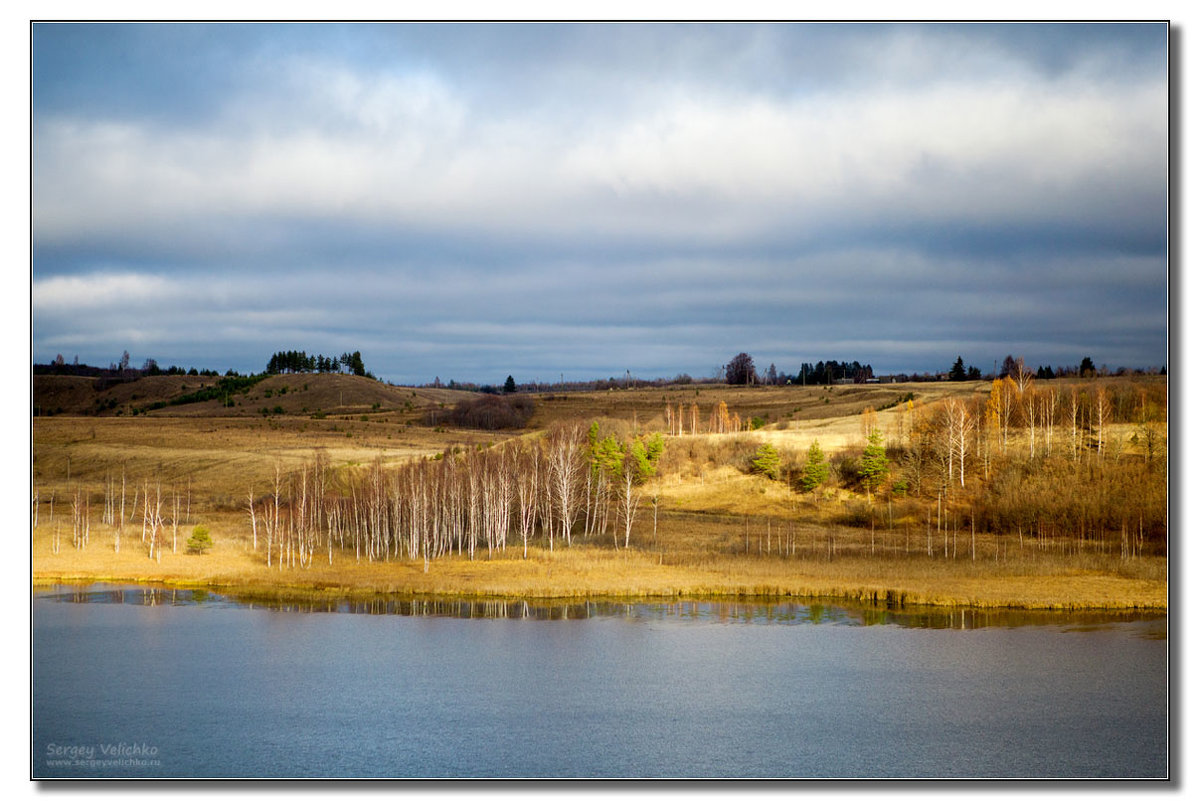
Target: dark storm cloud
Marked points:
586	199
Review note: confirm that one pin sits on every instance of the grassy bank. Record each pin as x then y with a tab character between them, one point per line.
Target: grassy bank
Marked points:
1033	580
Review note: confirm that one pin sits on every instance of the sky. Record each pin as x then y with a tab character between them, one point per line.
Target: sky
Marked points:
547	201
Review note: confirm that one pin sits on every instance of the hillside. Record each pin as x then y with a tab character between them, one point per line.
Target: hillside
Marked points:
322	394
286	394
776	408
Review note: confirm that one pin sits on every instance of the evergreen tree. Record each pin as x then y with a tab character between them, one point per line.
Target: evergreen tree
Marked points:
200	540
873	467
767	462
815	471
958	373
510	385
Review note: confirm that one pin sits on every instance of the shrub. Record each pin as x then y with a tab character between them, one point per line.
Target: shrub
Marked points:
856	513
844	468
489	412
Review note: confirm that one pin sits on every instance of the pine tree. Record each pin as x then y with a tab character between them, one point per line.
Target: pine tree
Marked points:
510	385
200	540
873	467
767	462
815	471
958	373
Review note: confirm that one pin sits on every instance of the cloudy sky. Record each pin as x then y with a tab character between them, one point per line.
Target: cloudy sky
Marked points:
473	201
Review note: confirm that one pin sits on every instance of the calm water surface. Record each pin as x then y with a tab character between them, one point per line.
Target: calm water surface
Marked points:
137	682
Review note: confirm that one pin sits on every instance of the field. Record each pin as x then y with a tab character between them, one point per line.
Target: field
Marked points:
718	529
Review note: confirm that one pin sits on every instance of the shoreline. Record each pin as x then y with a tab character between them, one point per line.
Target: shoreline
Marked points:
1067	590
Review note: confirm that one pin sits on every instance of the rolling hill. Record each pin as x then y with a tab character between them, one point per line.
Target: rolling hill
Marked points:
200	396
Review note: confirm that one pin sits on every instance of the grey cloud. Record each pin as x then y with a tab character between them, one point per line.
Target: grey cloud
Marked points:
587	197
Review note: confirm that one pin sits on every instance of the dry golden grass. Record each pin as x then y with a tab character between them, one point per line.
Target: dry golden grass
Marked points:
728	491
831	409
691	556
222	458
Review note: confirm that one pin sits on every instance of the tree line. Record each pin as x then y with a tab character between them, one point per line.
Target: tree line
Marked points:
740	371
298	361
119	371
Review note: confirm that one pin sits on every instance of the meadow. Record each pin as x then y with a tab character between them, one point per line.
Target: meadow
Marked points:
1077	519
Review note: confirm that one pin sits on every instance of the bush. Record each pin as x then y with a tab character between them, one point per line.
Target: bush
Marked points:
856	513
844	468
489	413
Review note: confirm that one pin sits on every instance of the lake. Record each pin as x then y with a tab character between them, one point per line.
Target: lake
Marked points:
136	682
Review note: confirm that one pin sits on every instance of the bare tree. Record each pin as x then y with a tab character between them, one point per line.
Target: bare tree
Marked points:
527	487
1100	415
1049	417
1030	401
121	518
1074	410
1022	376
175	520
959	428
566	466
253	518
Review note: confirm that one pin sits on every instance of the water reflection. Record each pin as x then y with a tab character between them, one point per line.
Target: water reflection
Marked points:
706	611
137	596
